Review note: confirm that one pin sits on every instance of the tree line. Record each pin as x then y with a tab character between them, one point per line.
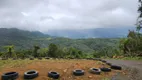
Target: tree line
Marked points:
55	51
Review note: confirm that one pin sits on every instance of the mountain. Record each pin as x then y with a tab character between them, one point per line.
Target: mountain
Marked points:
19	38
22	40
16	34
92	33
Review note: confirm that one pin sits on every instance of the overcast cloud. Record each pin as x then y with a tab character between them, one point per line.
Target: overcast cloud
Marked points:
43	15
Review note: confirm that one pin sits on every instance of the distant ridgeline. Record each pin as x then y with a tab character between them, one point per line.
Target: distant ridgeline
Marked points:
22	39
117	32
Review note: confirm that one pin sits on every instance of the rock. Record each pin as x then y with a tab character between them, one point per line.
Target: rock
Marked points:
65	70
89	76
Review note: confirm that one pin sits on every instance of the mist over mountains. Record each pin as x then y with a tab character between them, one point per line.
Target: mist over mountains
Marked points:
73	34
92	33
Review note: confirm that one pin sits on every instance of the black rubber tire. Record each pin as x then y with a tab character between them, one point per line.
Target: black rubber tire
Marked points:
71	58
97	59
30	74
78	72
14	58
100	59
104	61
116	67
105	69
95	71
54	75
31	58
40	58
4	59
108	63
89	58
9	76
22	58
47	57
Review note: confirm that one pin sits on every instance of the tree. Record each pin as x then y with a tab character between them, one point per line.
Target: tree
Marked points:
132	45
43	52
10	50
139	21
36	48
53	50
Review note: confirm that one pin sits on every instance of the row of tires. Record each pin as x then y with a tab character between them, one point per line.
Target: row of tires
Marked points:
25	58
40	58
116	67
55	75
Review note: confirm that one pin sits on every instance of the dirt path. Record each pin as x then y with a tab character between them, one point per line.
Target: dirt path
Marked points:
134	67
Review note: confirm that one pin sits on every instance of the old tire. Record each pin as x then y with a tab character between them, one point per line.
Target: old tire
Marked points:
97	59
105	69
14	58
4	59
108	63
10	76
40	58
54	75
89	58
30	74
116	67
31	58
78	72
95	71
104	61
47	57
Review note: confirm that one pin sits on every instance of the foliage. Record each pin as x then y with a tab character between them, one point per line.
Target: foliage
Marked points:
139	21
43	52
35	52
53	50
23	42
132	45
10	50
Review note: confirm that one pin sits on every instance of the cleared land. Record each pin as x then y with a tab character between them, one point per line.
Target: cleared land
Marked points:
64	67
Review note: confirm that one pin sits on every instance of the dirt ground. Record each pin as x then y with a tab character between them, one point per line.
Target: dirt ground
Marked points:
64	67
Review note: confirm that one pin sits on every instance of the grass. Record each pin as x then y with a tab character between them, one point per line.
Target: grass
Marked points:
14	63
132	58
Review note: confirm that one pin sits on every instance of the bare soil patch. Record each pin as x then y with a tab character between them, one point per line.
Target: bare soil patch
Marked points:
64	67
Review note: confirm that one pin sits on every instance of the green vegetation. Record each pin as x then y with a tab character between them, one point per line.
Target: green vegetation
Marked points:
132	46
21	44
61	50
131	58
72	48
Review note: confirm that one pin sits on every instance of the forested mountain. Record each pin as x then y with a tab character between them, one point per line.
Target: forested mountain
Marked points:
17	34
26	40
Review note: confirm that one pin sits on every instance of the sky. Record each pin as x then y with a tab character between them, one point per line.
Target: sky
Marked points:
44	15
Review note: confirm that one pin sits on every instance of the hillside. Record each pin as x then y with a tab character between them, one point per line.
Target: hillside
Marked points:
17	34
26	39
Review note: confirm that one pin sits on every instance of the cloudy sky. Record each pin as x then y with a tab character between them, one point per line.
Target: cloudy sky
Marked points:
43	15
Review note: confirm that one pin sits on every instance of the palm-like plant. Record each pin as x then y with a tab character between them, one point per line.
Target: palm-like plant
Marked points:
10	50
